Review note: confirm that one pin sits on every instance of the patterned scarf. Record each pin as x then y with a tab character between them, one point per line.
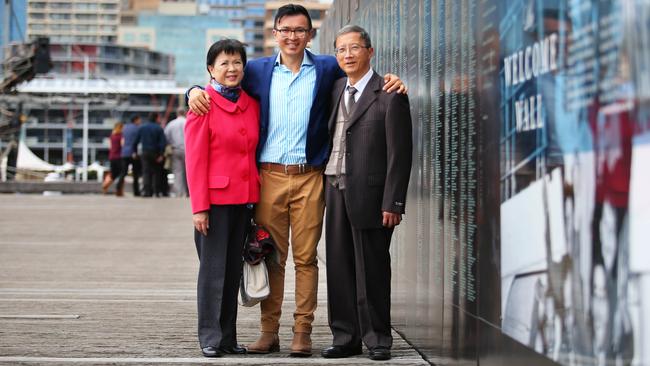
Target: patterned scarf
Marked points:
230	93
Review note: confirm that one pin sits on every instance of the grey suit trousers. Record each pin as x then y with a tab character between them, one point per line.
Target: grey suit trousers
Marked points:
220	258
358	278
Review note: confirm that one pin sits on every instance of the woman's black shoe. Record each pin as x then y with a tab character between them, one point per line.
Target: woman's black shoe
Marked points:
211	351
234	350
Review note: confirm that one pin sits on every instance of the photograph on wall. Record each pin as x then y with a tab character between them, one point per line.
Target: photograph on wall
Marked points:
574	149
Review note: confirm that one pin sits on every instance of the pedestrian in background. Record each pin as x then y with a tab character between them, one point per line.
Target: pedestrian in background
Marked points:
129	154
223	181
166	170
174	132
115	159
152	138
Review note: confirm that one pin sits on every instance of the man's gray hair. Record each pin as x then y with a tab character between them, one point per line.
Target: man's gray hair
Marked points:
181	111
354	29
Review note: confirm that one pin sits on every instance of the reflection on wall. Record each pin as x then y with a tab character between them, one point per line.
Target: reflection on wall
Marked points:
574	117
528	214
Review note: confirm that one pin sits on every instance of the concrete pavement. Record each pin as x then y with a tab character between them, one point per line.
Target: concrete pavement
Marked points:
92	279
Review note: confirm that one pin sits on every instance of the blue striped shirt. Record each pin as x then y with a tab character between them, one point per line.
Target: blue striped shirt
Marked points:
290	100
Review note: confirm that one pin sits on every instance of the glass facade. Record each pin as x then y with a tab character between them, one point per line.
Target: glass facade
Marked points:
525	235
16	16
185	37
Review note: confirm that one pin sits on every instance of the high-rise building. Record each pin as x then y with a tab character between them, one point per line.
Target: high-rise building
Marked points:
187	38
253	17
317	11
92	21
13	18
229	9
253	23
245	14
182	28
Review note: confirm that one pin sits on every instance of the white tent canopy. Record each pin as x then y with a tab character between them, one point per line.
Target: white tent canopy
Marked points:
27	160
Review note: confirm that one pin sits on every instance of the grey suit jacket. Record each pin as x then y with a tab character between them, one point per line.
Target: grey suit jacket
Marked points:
378	146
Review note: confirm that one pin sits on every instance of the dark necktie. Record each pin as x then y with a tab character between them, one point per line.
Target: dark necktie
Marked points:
352	90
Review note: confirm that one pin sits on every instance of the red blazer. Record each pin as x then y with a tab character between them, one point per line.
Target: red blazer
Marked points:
220	153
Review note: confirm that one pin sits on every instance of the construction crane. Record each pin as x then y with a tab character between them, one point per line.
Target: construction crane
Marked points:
23	62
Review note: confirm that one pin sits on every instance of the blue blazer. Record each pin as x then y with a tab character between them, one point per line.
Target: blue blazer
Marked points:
257	83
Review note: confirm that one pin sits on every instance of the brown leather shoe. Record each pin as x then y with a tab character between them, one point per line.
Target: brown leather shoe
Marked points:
267	342
301	345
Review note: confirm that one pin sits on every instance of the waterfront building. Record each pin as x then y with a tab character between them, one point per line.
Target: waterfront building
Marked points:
112	83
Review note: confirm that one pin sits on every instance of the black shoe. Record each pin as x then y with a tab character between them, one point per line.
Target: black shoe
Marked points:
211	351
340	352
234	350
379	354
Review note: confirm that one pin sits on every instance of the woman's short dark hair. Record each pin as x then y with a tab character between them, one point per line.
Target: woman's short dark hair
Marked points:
227	46
291	9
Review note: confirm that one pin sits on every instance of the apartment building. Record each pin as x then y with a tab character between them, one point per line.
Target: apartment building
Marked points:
75	21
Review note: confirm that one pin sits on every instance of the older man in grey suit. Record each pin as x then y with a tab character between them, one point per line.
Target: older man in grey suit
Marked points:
367	174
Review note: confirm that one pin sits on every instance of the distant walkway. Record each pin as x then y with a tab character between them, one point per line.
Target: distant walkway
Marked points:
99	280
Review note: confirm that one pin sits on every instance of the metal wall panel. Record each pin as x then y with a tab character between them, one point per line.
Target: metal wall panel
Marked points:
525	237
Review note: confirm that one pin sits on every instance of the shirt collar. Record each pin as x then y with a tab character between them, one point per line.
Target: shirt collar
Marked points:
361	84
306	60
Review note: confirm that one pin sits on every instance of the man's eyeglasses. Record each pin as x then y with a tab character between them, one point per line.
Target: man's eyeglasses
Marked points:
353	48
286	32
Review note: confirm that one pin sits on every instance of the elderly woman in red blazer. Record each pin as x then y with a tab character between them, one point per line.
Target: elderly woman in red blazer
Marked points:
223	180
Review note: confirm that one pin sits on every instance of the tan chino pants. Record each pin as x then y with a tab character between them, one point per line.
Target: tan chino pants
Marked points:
292	203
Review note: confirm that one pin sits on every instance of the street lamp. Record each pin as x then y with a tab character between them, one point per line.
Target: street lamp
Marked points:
84	140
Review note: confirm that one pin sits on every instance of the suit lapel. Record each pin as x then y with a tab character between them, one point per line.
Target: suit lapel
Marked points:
319	76
267	75
268	71
365	101
339	87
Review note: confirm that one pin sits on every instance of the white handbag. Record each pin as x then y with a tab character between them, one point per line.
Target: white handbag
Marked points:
254	285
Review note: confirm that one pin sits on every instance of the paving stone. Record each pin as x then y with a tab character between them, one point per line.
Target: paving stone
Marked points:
90	279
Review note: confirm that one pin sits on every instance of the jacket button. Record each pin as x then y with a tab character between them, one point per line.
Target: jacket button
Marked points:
244	177
242	131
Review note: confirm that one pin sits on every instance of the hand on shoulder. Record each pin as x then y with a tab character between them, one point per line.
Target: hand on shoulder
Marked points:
199	101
